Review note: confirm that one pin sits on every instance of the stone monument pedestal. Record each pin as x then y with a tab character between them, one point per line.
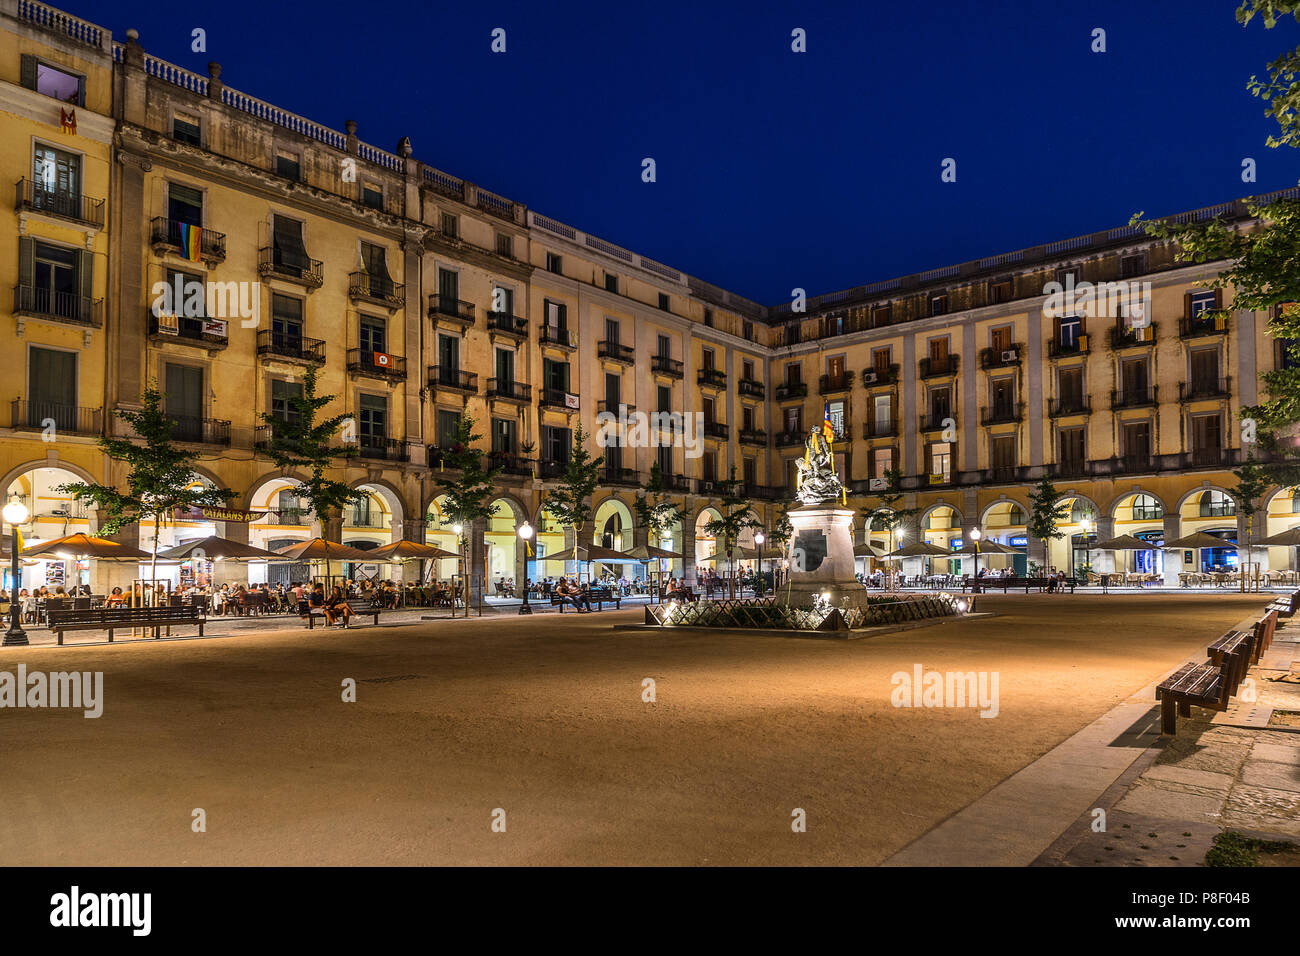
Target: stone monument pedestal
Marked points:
821	558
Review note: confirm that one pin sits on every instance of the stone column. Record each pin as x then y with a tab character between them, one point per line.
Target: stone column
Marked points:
687	551
412	529
1173	559
232	572
477	562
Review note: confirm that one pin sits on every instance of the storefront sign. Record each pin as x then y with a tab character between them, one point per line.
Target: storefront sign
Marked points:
204	513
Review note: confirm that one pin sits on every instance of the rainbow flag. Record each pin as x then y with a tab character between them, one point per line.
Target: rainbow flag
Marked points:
191	241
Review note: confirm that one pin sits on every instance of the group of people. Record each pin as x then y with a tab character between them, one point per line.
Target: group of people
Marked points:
30	601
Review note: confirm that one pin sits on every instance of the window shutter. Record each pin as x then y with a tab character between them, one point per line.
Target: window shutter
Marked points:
27	71
81	92
1187	305
1218	299
27	261
86	277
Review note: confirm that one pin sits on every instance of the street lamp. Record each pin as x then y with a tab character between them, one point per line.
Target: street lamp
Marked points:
526	532
457	530
15	513
975	536
759	538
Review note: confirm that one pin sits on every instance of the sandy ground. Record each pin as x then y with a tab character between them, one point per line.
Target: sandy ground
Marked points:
544	719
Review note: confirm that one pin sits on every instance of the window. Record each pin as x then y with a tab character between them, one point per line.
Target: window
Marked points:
706	409
556	443
938	351
940	462
1205	368
49	80
940	405
505	246
665	398
555	375
835	411
445	427
665	346
1000	290
1137	443
1068	331
287	245
794	373
56	178
880	359
554	263
557	319
1069	388
374	260
1146	508
706	355
51	387
287	506
184	204
1216	504
1134	379
448	288
1132	265
373	336
372	196
184	401
664	456
1002	395
287	164
449	359
708	317
882	463
939	304
747	330
1070	276
286	323
794	420
611	283
882	415
611	330
1002	452
664	302
372	420
1000	340
709	466
450	226
53	280
282	400
747	418
882	315
185	129
505	433
747	370
1207	438
1071	446
749	470
1199	302
614	392
505	367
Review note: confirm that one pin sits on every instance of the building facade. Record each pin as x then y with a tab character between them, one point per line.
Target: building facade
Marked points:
420	297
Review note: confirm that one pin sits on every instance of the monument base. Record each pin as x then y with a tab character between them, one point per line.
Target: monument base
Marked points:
821	559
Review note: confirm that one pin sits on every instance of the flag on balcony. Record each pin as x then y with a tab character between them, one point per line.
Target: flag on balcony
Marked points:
191	241
828	428
68	120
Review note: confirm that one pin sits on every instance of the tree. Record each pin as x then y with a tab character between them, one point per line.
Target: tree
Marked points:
1261	262
1252	482
160	476
570	502
1046	511
299	441
737	517
654	509
889	516
467	487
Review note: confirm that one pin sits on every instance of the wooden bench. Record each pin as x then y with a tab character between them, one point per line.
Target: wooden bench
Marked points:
319	612
1004	583
597	596
116	618
1234	652
1205	685
1265	627
1286	606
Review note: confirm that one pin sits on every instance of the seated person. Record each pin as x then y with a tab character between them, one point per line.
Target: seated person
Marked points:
572	594
336	606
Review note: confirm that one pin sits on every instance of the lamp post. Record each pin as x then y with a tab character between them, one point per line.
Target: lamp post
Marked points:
526	532
15	513
457	530
896	569
1087	550
975	536
759	538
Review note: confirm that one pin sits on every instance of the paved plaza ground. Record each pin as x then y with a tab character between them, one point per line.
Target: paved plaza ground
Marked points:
543	717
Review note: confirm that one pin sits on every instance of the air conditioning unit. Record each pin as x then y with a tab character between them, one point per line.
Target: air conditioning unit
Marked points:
1009	355
868	378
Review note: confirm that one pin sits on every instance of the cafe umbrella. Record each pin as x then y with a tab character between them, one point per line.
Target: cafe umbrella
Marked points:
318	549
647	552
214	548
403	551
589	553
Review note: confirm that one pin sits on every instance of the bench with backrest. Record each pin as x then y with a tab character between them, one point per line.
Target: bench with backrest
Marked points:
1286	606
991	583
597	596
119	618
1212	684
313	614
1265	628
1234	651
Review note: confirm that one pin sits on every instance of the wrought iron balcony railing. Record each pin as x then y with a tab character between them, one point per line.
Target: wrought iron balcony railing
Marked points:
31	196
291	266
666	366
445	307
290	345
455	379
509	391
66	307
66	419
200	431
616	352
378	364
166	234
381	289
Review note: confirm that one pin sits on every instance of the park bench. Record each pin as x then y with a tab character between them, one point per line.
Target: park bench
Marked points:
116	618
1205	685
597	596
1265	627
1234	651
1005	583
1286	606
313	613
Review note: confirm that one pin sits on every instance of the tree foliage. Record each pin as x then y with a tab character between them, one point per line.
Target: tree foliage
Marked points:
468	487
570	502
654	509
1046	512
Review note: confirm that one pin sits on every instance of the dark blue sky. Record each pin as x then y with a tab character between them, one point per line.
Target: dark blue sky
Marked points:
776	169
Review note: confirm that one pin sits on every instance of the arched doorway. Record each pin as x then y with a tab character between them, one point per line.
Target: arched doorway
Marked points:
51	514
1206	511
1006	522
1142	516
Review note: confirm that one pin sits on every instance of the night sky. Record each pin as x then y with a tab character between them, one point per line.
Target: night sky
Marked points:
776	169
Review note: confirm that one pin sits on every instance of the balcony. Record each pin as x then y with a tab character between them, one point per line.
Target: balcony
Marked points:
442	378
66	419
381	290
937	367
379	448
33	197
363	519
1072	468
1204	389
620	476
511	326
198	331
1004	475
765	493
291	267
886	429
1207	458
445	309
1133	397
663	365
166	235
788	391
200	431
788	439
559	399
678	483
834	384
1060	350
551	469
1002	414
716	430
1125	337
509	391
606	405
1135	463
934	422
753	436
63	307
615	352
1000	358
873	377
1074	405
513	465
1205	324
750	387
291	347
556	337
712	378
377	364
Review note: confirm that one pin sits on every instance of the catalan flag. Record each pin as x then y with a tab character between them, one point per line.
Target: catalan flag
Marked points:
68	120
828	429
191	241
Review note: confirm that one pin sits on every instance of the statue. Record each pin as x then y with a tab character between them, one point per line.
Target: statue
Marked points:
817	482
